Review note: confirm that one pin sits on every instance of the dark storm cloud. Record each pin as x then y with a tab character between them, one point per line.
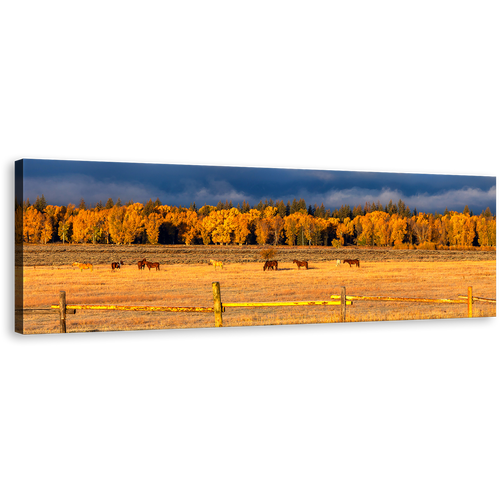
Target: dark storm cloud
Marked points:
63	182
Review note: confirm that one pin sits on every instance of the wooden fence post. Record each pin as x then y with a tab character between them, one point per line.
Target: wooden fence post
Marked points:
469	302
217	303
62	311
342	304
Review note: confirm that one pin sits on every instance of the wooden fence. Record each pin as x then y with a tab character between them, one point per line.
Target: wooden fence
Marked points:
462	299
63	309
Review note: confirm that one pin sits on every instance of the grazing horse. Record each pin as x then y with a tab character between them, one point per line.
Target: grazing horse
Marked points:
83	265
216	263
141	264
338	263
271	264
351	262
116	265
301	263
153	264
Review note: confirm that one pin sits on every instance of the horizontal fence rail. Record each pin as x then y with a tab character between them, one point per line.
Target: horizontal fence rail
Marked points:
402	299
136	308
479	299
278	304
43	310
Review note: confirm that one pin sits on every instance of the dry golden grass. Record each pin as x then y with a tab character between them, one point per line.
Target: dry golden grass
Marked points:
191	285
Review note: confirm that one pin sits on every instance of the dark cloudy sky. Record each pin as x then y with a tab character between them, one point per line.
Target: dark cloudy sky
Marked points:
63	182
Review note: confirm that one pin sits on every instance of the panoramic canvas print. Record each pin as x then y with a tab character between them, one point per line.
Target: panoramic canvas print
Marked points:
108	246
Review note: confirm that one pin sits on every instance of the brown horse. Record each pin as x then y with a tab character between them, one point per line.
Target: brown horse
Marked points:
153	264
271	264
141	264
301	263
83	265
116	265
216	264
351	262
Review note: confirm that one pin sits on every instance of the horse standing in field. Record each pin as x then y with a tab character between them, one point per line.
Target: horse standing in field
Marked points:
153	264
271	264
338	263
116	265
141	264
216	264
83	265
301	263
352	262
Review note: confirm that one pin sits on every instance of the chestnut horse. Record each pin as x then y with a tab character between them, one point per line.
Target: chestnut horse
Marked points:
116	265
351	262
141	264
271	264
301	263
153	264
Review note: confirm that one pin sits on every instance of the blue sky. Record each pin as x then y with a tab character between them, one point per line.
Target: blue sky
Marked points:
63	182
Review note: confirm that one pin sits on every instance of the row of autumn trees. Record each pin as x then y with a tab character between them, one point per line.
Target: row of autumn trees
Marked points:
266	223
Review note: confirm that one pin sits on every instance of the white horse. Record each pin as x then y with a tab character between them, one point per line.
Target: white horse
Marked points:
337	263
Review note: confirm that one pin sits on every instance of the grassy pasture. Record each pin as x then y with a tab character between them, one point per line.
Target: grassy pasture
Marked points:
191	285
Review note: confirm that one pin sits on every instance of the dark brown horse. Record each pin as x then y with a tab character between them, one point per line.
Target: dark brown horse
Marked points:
301	263
141	264
352	262
153	264
116	265
271	264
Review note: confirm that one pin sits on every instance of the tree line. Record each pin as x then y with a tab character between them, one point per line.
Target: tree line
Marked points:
266	223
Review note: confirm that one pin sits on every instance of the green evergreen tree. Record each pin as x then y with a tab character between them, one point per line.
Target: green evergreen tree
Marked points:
149	208
322	211
281	209
109	203
43	203
390	208
40	203
357	211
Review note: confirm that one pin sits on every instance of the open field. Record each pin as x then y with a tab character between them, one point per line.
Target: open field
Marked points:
191	285
58	254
